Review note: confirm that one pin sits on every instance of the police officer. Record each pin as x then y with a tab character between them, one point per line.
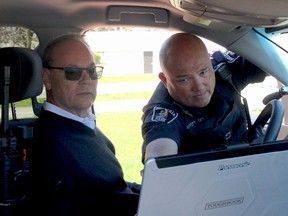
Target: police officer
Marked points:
193	108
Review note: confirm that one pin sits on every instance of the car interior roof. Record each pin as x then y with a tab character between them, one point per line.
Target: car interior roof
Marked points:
222	15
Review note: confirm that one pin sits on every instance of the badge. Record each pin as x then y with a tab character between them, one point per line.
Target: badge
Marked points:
161	114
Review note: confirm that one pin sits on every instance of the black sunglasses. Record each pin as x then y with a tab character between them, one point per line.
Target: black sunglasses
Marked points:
74	73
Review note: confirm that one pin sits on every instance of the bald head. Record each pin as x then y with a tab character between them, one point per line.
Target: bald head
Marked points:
187	71
179	48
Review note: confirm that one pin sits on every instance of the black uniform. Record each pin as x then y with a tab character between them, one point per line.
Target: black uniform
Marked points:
222	121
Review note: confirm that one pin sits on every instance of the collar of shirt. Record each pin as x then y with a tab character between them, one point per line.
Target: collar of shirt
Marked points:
88	121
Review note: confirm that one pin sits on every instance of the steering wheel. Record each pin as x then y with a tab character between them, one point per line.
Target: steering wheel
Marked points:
271	116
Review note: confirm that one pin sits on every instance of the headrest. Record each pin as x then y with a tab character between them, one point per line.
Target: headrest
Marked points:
25	73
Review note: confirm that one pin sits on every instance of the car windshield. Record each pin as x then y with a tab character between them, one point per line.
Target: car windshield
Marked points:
281	40
122	51
278	37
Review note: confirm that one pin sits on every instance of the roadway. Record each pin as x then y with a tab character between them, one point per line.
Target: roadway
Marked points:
254	96
108	106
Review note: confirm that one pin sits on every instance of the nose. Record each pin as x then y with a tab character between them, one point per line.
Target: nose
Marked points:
196	84
85	75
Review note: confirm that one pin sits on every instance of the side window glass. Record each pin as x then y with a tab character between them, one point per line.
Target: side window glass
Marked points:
18	37
25	38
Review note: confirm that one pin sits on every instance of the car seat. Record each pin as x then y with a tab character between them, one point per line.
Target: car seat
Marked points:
21	78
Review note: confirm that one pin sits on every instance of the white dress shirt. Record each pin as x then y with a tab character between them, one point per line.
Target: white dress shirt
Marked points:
88	121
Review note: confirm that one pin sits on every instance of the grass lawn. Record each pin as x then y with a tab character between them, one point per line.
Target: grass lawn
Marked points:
124	130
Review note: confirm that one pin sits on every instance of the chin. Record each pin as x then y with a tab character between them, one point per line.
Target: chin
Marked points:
201	104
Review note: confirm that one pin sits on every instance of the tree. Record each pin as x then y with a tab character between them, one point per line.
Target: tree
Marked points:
97	57
18	37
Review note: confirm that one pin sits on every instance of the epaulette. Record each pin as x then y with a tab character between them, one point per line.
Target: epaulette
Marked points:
220	61
219	57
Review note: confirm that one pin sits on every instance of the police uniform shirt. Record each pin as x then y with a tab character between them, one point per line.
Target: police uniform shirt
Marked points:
222	121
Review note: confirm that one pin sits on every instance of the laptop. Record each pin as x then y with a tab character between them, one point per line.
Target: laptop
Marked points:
246	180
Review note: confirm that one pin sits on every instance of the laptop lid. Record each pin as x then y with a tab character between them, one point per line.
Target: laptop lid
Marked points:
252	180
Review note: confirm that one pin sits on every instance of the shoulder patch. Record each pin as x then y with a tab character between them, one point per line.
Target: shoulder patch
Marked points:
161	114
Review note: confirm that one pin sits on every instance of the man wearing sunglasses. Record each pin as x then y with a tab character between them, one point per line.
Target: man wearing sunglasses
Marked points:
74	168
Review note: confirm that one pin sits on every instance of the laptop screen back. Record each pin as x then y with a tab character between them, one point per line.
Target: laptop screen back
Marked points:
250	181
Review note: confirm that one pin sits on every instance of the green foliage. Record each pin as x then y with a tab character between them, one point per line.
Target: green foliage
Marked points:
97	57
18	37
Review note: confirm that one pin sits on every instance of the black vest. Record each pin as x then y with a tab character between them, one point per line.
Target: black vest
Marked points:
222	121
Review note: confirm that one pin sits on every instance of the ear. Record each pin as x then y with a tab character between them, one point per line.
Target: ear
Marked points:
46	78
162	77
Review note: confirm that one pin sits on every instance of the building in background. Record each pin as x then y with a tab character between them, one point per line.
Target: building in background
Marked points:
131	52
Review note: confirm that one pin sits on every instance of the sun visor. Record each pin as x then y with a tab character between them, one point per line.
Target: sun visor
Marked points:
237	13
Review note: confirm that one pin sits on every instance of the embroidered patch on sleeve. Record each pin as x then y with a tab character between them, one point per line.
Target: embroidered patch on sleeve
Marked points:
161	114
